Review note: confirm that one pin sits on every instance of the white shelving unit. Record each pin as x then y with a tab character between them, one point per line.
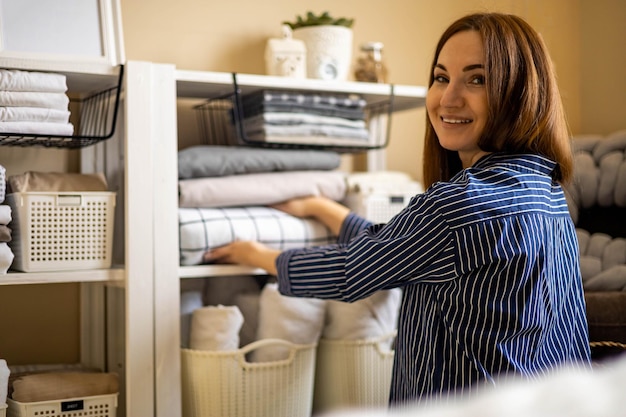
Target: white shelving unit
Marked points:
167	271
117	332
141	333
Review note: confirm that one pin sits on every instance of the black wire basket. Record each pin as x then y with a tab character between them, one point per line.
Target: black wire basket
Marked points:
97	120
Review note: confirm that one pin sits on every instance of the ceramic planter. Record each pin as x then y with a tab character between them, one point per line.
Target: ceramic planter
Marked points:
328	51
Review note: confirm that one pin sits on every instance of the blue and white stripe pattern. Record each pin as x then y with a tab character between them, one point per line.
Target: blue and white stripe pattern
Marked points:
489	263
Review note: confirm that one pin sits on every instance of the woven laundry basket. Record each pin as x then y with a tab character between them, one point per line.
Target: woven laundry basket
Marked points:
225	384
353	373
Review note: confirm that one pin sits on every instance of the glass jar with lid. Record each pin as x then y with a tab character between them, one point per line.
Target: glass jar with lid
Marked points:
370	66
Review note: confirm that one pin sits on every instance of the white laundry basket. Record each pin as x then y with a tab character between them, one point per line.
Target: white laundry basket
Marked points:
58	231
225	384
353	373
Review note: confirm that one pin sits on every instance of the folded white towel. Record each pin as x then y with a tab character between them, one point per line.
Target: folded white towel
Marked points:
16	80
59	101
5	214
296	320
33	114
37	128
215	328
369	318
6	258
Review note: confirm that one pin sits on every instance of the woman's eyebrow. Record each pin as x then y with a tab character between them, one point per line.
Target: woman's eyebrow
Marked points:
465	69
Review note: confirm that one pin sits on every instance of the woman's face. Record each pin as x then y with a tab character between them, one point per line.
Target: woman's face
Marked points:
457	100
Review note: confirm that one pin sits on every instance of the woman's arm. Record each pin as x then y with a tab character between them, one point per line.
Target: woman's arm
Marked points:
329	212
254	254
247	253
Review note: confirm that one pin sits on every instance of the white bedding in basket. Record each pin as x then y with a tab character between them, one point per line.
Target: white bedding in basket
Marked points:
201	229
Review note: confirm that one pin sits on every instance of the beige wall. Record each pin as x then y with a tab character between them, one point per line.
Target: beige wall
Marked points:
231	36
584	36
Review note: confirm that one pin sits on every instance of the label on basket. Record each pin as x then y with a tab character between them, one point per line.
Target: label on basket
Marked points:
72	405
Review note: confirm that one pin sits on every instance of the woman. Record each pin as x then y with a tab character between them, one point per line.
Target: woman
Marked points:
488	255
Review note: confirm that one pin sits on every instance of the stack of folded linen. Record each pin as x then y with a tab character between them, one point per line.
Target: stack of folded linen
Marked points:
6	254
225	194
34	103
305	118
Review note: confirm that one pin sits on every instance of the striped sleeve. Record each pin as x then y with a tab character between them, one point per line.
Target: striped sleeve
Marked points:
369	257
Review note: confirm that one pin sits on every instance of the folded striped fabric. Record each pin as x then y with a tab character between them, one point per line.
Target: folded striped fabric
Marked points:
202	229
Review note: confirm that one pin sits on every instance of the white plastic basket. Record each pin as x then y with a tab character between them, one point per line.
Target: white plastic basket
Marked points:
225	384
353	373
3	410
61	231
95	406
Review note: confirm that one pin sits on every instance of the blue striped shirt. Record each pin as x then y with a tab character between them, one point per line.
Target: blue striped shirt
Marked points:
489	264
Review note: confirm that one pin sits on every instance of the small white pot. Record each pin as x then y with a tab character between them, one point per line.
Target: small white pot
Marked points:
328	51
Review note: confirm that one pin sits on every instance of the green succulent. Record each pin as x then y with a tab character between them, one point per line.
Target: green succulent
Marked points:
323	19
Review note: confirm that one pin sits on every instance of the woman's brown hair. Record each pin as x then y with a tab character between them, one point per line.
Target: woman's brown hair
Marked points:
525	109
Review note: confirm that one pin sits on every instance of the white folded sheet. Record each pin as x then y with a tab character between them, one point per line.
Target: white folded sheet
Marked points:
59	101
260	189
16	80
33	114
37	128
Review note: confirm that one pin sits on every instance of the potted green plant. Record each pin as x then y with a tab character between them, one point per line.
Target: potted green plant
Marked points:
328	42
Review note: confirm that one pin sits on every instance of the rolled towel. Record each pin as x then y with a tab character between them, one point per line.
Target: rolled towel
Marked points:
62	385
249	306
614	141
4	381
17	80
215	328
6	257
369	318
190	301
583	240
5	214
296	320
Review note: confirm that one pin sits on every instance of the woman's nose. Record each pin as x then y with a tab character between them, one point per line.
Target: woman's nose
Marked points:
452	96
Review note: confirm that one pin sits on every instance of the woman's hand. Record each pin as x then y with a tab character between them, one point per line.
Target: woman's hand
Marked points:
329	212
247	253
